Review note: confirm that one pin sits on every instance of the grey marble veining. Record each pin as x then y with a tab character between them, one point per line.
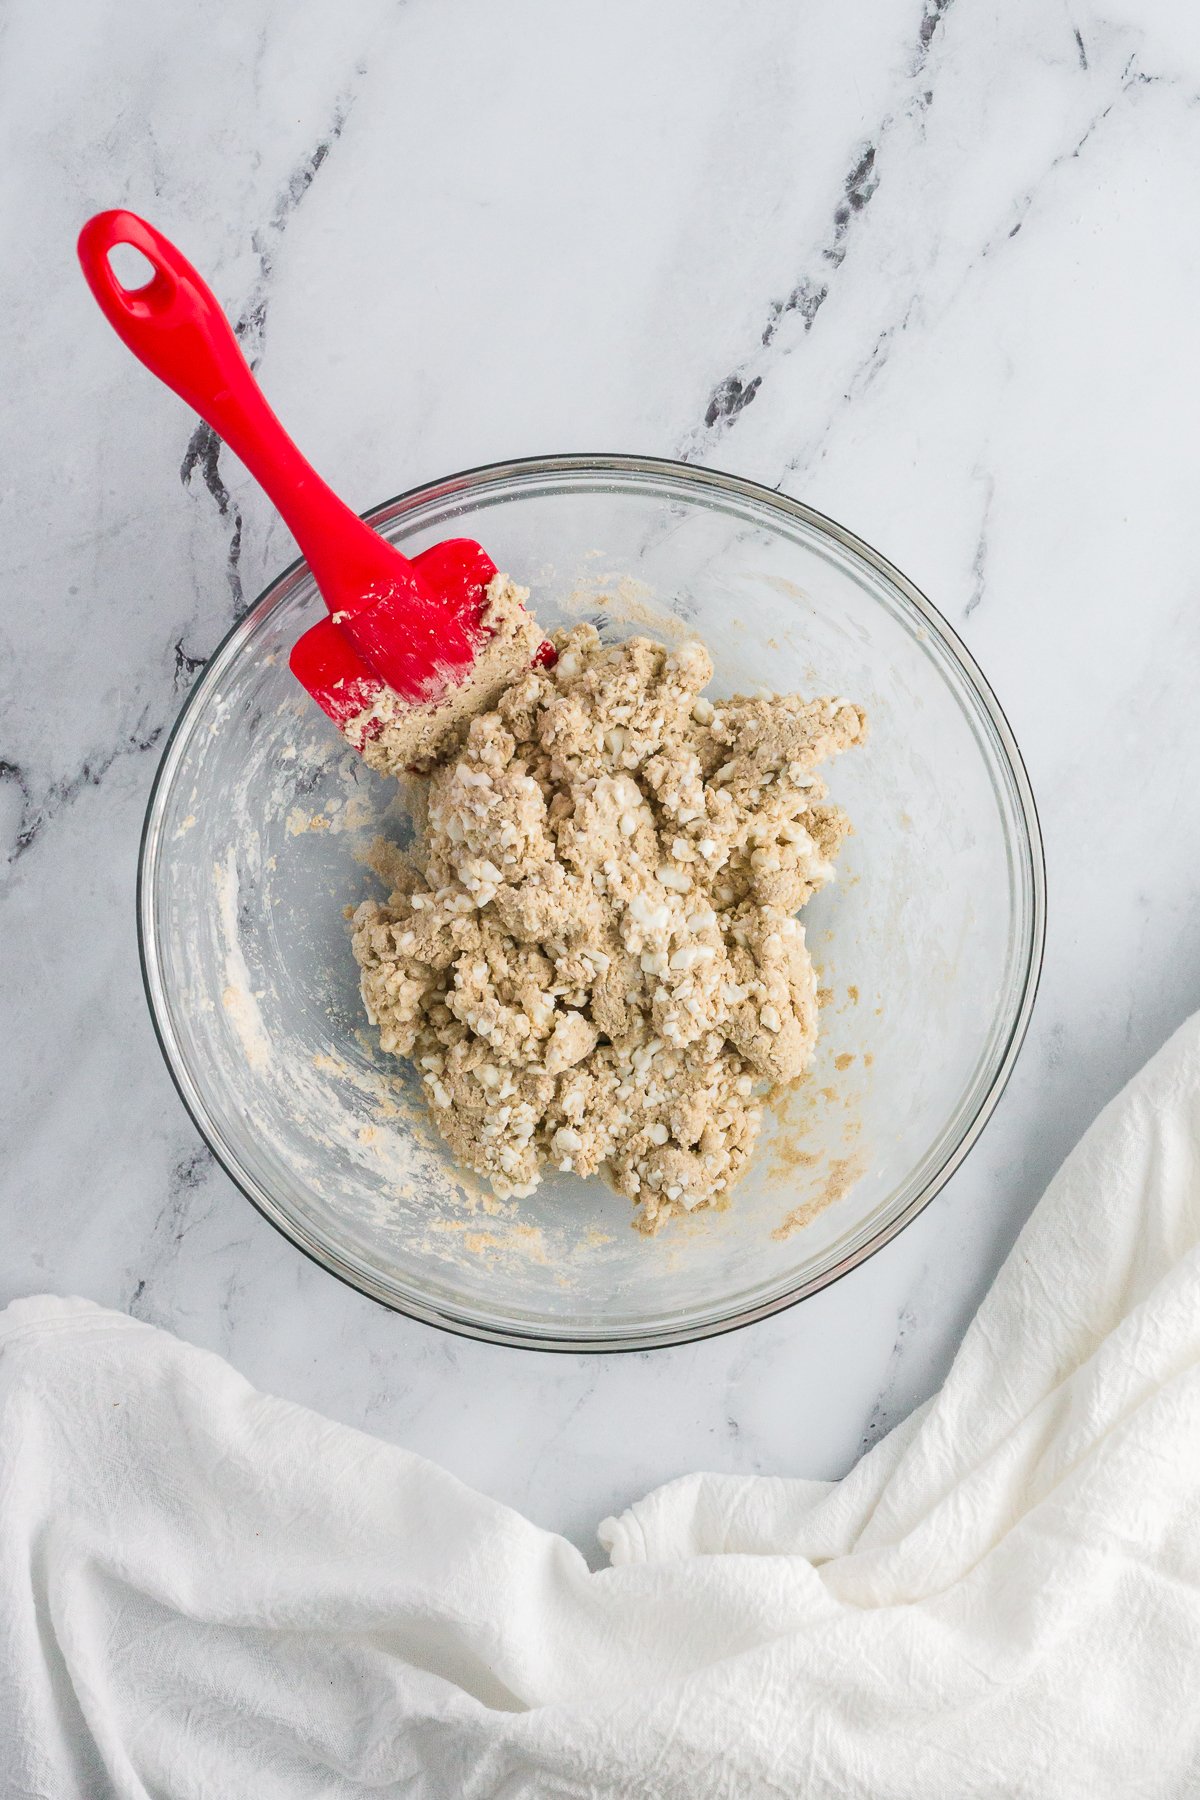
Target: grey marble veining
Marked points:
930	267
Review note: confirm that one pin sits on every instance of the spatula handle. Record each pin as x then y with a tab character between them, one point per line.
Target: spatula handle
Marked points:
176	327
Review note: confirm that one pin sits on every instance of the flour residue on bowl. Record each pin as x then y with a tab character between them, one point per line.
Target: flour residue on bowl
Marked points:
237	996
622	600
814	1151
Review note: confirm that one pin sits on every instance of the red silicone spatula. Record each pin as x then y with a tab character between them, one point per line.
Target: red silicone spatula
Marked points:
409	625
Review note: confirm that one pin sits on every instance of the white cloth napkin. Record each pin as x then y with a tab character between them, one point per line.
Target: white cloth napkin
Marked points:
205	1591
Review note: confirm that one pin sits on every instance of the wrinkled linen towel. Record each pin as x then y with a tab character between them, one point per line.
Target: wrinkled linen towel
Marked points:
206	1591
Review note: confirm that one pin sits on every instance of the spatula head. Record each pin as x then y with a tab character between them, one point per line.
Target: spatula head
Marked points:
347	660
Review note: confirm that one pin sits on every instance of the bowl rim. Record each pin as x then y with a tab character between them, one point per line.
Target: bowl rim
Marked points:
719	481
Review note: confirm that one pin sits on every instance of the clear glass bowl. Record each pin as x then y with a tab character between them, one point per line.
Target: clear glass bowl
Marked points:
929	943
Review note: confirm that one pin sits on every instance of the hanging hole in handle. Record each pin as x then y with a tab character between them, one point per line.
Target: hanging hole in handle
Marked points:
133	272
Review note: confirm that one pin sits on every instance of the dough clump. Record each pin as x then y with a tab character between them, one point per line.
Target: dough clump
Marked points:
591	953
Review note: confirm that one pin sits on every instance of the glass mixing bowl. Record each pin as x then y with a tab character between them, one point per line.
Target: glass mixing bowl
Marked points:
928	945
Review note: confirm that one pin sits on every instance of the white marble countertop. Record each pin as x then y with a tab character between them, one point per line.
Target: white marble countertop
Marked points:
931	267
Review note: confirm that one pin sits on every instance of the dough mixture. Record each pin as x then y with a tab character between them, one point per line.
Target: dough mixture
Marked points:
591	953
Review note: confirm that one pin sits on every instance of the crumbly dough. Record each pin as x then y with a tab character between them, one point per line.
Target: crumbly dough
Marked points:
394	735
591	954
